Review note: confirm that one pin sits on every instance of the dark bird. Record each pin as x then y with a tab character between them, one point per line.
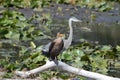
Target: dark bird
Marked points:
56	47
53	49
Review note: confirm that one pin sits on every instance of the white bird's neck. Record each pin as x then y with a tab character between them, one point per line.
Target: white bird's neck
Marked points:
68	41
71	32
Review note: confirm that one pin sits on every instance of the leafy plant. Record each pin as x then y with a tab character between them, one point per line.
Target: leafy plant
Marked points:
15	26
100	5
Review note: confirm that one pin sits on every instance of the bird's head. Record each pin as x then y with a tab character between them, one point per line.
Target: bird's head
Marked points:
75	19
60	35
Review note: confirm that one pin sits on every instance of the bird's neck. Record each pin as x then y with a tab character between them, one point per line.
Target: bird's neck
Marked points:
68	41
71	31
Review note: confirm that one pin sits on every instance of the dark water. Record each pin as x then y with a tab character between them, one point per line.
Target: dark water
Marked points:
105	34
103	27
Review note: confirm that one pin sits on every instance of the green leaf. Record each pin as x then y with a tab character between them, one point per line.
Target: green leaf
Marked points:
11	66
13	35
78	52
67	56
31	29
33	65
21	18
3	31
85	58
6	22
38	58
106	48
21	24
118	48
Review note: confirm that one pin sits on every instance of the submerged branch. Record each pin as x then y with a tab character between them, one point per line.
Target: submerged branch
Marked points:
65	67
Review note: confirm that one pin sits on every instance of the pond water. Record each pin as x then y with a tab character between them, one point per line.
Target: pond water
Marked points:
103	33
103	27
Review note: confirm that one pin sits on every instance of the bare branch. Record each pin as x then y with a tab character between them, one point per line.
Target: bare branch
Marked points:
65	67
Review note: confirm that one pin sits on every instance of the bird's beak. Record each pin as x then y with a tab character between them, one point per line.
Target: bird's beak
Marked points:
80	21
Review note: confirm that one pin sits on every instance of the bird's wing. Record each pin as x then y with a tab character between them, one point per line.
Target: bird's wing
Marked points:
62	46
46	47
51	46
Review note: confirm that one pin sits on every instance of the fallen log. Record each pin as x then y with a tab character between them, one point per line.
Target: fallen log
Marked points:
65	67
